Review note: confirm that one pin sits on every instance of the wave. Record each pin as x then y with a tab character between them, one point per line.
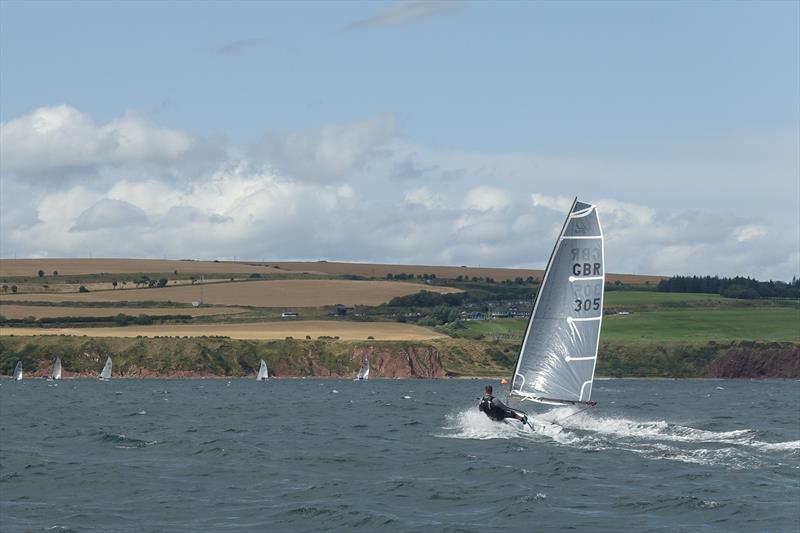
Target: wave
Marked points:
123	442
653	439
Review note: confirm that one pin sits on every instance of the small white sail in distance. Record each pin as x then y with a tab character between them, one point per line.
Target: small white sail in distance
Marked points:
56	373
559	350
363	372
105	374
18	371
263	373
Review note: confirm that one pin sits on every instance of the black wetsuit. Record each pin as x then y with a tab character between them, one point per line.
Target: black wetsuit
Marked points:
495	409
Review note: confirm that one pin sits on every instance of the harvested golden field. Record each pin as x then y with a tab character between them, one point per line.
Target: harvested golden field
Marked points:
449	272
385	331
44	311
71	267
274	293
29	267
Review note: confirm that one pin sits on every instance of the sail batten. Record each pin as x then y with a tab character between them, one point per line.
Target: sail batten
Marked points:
558	355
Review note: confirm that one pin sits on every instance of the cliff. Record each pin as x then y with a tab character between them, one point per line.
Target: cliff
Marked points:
221	356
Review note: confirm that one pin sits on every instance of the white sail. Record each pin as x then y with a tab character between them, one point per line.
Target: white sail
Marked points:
18	371
559	351
56	373
263	374
106	372
363	372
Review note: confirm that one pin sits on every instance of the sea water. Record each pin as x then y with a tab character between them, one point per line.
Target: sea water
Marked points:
395	455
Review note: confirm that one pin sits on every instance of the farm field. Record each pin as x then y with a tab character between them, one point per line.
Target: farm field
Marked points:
670	325
14	311
764	323
273	293
73	267
384	331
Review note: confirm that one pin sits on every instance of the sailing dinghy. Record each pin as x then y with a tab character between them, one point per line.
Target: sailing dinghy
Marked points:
56	373
18	371
559	351
263	374
363	372
105	374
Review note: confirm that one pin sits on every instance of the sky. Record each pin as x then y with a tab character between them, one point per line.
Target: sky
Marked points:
437	133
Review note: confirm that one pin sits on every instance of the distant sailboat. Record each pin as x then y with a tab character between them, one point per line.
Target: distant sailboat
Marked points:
56	373
363	372
559	351
18	371
263	374
105	374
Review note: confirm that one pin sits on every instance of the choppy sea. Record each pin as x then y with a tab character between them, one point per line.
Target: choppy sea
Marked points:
395	455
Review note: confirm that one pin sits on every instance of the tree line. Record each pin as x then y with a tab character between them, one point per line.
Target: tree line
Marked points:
736	287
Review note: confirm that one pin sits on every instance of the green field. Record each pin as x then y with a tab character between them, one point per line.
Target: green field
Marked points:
650	298
669	317
771	324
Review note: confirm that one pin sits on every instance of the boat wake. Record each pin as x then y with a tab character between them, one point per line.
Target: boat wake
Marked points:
653	439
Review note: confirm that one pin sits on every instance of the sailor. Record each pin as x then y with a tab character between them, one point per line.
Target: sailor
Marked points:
497	410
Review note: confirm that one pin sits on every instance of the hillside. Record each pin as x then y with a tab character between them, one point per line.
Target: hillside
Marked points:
469	320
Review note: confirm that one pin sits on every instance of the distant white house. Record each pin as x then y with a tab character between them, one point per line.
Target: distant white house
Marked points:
289	314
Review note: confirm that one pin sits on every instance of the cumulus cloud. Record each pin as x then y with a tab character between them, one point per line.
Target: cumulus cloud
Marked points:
61	137
485	198
556	203
294	197
109	213
425	198
403	13
329	153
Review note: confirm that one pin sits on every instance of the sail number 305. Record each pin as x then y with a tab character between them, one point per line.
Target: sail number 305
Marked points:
587	305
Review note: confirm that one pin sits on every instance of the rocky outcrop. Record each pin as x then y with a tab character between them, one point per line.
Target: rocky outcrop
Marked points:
406	362
754	360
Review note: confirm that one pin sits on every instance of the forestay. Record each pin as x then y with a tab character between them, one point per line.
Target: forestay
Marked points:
559	351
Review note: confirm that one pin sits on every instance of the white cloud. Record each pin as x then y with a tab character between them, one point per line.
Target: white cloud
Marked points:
556	203
485	198
424	197
61	137
406	12
330	153
107	214
332	193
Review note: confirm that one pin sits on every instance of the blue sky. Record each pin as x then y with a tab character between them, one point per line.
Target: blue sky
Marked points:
436	132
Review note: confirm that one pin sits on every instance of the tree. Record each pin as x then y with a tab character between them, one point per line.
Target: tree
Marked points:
41	273
162	282
55	272
5	288
114	283
82	289
14	288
